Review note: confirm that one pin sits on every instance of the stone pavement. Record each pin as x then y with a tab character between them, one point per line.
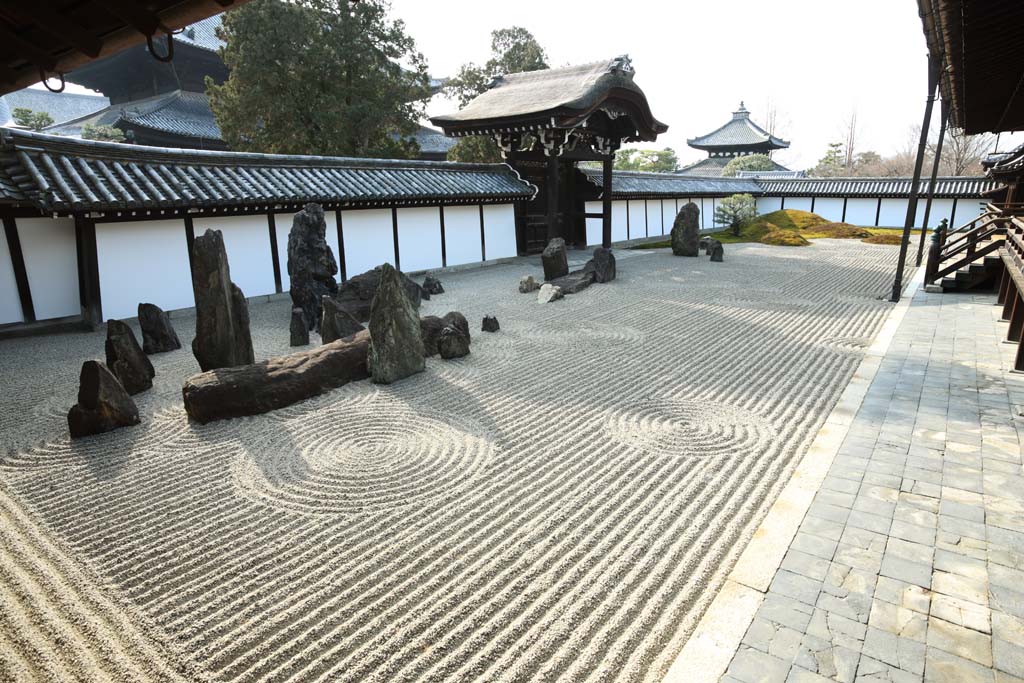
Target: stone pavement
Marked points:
909	564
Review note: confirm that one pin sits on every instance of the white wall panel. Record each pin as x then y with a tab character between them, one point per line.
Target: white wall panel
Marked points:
966	211
637	219
768	204
668	213
941	208
619	221
419	238
10	302
461	234
369	241
247	243
893	213
48	245
143	261
500	231
798	203
282	228
594	225
654	217
861	211
829	208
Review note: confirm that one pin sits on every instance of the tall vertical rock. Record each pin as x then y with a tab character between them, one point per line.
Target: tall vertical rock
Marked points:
396	343
686	231
311	264
555	259
222	313
126	359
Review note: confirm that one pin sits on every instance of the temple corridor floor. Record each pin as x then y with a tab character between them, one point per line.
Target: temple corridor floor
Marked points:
562	504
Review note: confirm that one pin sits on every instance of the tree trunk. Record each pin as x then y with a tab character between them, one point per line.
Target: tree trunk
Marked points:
276	383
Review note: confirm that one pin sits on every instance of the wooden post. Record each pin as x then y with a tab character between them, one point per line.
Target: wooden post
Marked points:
552	189
88	271
1016	319
1018	359
606	202
935	174
274	256
1011	296
934	255
1004	285
915	184
28	309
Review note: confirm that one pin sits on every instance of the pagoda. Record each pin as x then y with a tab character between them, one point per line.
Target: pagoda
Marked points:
738	137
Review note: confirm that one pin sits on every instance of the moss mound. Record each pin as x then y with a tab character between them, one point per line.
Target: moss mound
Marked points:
792	219
784	238
893	239
842	231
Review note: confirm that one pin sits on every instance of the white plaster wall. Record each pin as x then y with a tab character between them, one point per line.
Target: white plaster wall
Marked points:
143	261
768	204
941	208
247	243
966	211
619	221
368	239
10	303
798	203
893	213
500	231
654	217
461	234
419	238
861	211
829	208
637	219
282	227
668	212
595	229
48	245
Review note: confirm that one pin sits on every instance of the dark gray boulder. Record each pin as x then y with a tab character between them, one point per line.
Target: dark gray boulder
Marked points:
126	360
298	328
337	323
431	326
490	324
555	259
602	265
452	343
396	343
716	250
703	244
158	335
356	294
103	404
222	313
686	231
311	264
431	285
574	282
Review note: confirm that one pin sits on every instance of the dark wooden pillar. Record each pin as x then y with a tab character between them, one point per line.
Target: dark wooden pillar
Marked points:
28	309
935	174
552	189
1016	318
915	183
1008	298
88	271
606	202
1004	285
274	256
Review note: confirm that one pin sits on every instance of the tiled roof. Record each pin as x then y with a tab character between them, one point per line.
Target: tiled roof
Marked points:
712	167
179	112
739	132
61	174
875	187
1005	162
433	141
202	34
60	106
633	184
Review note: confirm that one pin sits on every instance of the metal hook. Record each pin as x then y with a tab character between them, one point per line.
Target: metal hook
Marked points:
170	47
45	79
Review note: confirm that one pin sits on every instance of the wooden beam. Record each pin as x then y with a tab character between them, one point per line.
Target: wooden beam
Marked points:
394	236
606	203
59	26
444	246
483	236
552	190
28	311
341	244
88	271
272	229
190	238
132	13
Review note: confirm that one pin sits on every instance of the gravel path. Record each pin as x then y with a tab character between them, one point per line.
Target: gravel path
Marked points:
560	505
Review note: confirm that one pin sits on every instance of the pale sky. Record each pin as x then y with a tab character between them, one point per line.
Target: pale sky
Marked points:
815	60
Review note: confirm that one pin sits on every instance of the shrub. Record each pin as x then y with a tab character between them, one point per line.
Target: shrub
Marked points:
735	211
751	162
101	132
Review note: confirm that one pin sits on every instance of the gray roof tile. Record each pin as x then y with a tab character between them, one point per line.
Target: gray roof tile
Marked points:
60	106
738	132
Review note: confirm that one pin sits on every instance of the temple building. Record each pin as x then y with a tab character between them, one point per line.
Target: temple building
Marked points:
738	137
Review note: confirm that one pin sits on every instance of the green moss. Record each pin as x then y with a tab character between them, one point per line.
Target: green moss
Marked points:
891	238
784	238
836	231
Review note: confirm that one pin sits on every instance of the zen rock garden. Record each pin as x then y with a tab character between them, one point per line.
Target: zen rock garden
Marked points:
686	239
559	281
392	345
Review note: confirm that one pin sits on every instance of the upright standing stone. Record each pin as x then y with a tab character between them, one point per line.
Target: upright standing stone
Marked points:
716	250
298	328
337	323
555	259
396	344
490	324
158	335
431	285
602	265
311	264
126	359
222	313
686	231
103	404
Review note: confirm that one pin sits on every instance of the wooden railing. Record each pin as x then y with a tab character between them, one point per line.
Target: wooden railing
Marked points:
953	249
1011	286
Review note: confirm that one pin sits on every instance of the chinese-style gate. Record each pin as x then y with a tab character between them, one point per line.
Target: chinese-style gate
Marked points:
545	123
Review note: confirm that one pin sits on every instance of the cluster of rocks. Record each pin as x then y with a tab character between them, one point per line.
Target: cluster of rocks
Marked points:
686	239
559	281
105	390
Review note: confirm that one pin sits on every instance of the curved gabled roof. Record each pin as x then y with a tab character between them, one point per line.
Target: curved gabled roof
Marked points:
739	133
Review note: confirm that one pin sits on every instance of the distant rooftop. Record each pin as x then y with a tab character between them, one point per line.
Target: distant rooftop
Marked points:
738	134
712	167
60	106
179	112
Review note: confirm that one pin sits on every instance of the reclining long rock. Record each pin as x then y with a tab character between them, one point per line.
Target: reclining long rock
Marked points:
277	382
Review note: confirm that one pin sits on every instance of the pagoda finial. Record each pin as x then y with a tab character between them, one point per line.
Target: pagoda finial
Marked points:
741	113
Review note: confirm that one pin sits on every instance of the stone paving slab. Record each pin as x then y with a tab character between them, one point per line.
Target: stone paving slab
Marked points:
909	562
